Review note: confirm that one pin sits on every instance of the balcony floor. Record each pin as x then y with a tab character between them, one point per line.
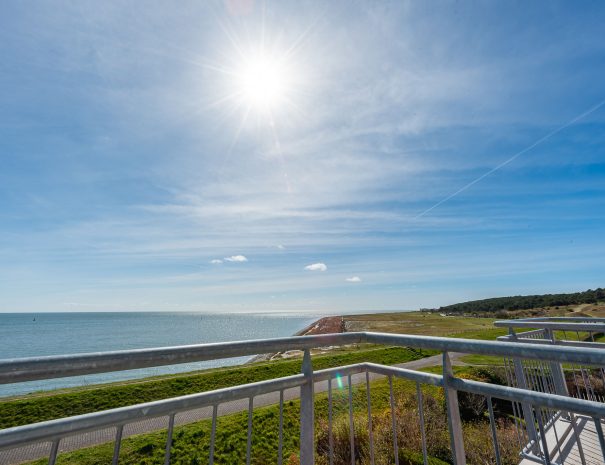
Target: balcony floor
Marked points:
567	453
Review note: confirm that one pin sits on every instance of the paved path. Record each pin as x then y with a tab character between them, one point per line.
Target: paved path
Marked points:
36	451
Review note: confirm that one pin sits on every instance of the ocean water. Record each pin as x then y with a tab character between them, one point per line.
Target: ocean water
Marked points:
29	335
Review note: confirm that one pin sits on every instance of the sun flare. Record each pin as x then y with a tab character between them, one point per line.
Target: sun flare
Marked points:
263	83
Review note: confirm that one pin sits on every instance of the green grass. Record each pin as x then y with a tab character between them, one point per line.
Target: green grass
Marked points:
46	407
191	443
422	323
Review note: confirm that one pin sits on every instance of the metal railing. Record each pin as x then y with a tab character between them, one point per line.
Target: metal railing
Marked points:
566	378
306	383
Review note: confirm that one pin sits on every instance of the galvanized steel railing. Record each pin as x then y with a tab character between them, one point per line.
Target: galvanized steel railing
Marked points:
55	431
565	378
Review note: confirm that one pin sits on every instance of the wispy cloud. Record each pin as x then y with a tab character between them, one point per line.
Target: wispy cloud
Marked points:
236	258
316	267
394	118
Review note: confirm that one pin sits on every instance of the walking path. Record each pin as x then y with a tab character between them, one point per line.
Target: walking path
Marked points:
79	441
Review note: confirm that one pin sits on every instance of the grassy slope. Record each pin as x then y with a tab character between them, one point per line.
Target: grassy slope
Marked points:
46	407
192	442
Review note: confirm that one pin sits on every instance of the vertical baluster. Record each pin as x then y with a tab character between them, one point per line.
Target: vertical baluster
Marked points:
370	418
330	436
280	440
351	424
600	369
54	450
540	384
169	439
393	420
587	385
249	443
492	423
213	434
557	442
549	388
580	369
528	413
516	414
575	382
425	455
573	369
576	433
599	428
453	413
116	447
307	413
546	453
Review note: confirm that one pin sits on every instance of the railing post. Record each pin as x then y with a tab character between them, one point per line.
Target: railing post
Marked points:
307	413
557	369
528	414
453	413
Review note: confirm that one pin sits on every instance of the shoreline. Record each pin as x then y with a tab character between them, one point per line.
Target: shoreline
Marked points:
324	325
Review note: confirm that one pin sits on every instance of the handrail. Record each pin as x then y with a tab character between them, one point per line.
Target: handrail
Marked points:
555	323
62	427
27	369
61	366
37	368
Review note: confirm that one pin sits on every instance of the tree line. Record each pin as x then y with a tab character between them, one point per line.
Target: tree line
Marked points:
525	302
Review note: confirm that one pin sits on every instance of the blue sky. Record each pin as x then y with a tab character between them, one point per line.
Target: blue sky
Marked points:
129	161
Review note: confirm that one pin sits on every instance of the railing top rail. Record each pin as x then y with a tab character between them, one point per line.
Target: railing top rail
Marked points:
553	353
558	318
60	366
55	429
557	324
558	342
28	369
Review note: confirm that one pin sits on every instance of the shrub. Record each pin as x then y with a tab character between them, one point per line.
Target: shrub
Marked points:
478	440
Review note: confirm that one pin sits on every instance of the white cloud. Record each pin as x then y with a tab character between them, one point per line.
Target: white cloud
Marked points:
236	258
281	247
354	279
316	267
216	261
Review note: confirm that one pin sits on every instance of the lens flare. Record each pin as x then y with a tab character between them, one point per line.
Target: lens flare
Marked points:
263	82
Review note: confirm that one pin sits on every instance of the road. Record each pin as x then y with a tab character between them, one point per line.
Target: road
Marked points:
36	451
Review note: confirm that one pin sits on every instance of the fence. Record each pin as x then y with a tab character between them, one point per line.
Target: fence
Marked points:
56	431
549	432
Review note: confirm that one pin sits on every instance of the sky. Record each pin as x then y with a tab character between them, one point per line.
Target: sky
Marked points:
307	156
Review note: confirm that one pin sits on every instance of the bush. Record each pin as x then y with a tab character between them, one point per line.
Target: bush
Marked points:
478	440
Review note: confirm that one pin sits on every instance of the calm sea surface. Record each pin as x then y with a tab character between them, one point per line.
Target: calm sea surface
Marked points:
27	335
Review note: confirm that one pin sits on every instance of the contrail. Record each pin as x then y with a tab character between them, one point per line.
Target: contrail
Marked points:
514	157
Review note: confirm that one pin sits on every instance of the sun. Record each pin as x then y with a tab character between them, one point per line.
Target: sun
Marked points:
263	82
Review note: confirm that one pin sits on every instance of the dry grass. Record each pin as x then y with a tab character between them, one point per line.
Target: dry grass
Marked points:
478	442
423	323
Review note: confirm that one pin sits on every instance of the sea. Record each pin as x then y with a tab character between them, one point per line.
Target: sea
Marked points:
33	335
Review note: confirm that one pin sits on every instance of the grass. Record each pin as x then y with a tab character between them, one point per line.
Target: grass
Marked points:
46	407
191	442
422	323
